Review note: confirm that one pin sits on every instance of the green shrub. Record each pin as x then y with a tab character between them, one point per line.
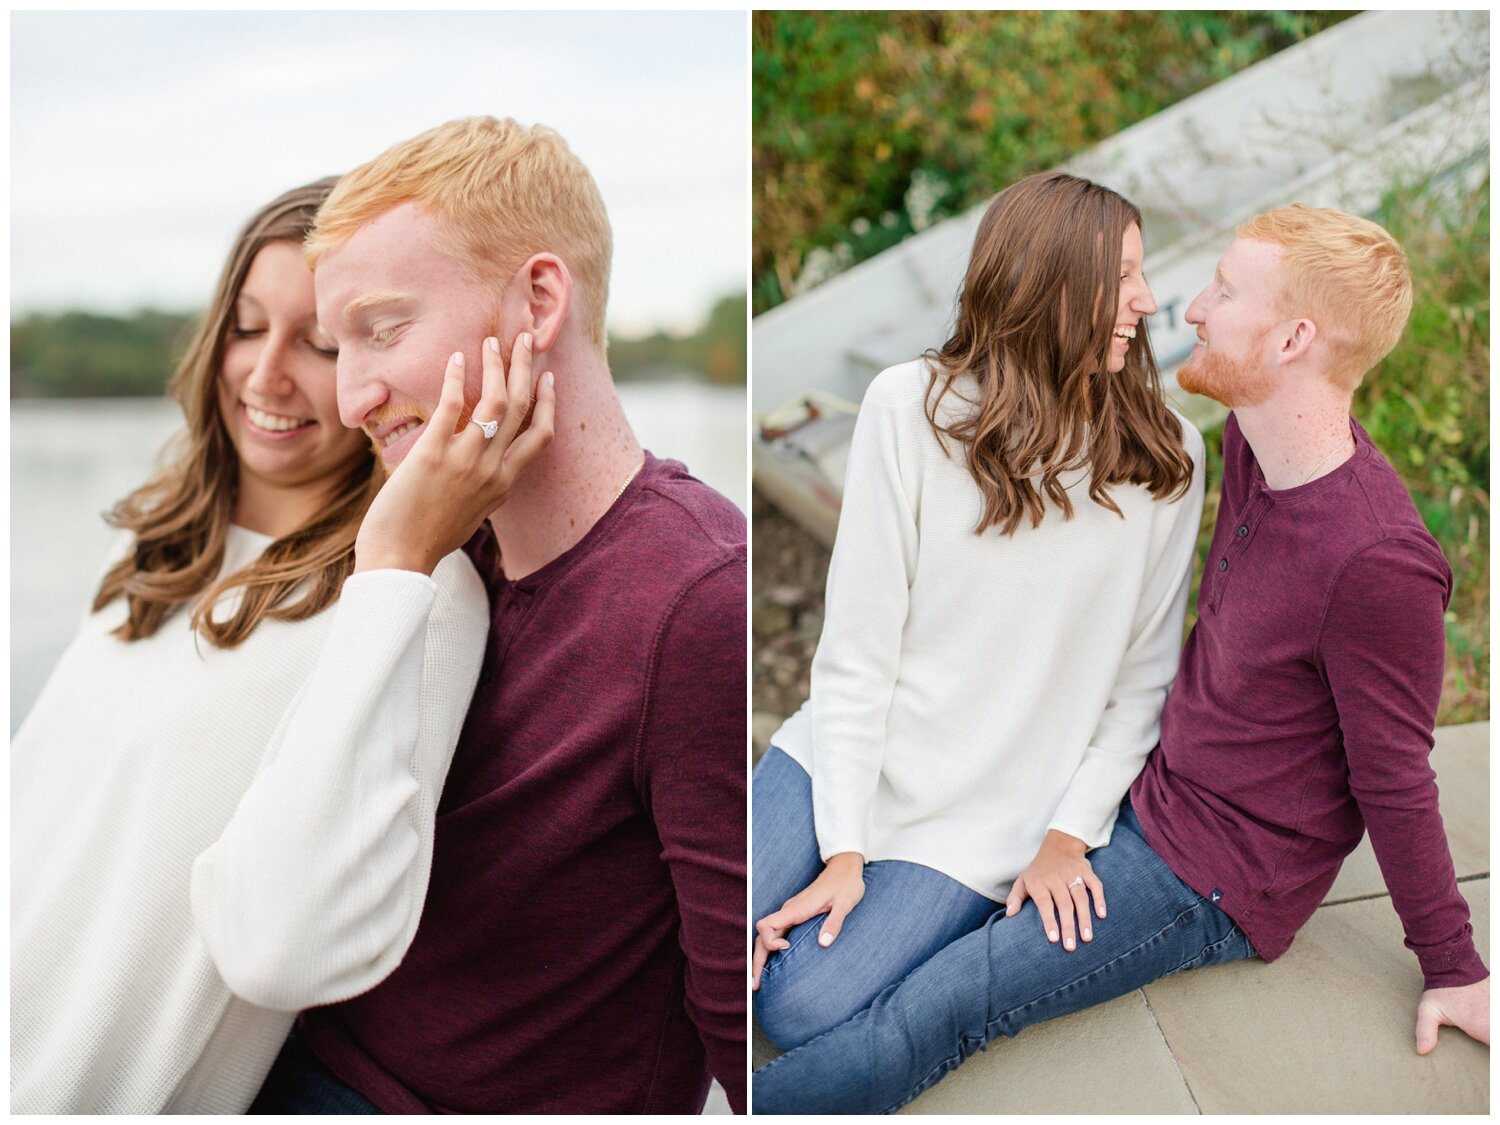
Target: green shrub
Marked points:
1428	406
871	125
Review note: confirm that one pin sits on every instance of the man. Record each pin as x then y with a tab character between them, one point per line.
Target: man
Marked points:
579	950
1301	715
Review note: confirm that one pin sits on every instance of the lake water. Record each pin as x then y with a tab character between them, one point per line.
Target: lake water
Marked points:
72	459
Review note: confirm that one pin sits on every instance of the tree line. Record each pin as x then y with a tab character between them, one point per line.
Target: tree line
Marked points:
81	354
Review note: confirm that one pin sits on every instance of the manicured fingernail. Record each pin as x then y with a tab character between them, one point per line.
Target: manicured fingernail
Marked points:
1101	912
458	359
549	378
525	340
493	344
1068	944
1051	935
1088	935
825	940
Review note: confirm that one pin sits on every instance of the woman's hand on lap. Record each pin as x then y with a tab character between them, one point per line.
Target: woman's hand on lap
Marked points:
1060	880
454	477
835	892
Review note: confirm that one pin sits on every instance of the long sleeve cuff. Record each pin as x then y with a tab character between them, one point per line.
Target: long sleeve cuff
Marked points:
1453	967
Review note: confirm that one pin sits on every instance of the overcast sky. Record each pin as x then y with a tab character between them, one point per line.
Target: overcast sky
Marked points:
141	141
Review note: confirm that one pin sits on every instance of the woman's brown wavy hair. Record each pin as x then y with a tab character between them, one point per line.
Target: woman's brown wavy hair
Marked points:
1046	401
181	516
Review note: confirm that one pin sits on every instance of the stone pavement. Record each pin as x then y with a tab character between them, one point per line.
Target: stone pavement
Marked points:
1327	1028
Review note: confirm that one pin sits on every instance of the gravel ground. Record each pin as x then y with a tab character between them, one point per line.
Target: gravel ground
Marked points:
788	571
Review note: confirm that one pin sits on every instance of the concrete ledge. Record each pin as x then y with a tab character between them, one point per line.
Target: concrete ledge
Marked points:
1328	1028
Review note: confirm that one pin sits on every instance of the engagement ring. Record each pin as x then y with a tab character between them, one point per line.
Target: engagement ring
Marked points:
1077	881
487	428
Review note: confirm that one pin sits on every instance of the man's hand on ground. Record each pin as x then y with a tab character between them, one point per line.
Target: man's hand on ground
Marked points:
1466	1008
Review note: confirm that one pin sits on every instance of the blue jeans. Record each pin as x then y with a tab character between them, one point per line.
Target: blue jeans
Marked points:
908	913
1001	978
300	1083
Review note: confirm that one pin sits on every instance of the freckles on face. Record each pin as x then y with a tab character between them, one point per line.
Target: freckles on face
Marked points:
400	308
1235	315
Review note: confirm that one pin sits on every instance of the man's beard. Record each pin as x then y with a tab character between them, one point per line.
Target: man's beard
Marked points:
1232	381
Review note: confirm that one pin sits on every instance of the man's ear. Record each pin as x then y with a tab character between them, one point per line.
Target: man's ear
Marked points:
1296	340
537	300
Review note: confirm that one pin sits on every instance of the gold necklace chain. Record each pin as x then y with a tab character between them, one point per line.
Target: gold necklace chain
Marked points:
1327	455
627	481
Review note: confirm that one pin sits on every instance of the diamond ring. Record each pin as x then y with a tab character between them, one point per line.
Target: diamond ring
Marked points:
1077	881
487	428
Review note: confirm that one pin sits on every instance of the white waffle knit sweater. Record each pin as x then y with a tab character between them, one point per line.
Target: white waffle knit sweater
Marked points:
205	841
971	692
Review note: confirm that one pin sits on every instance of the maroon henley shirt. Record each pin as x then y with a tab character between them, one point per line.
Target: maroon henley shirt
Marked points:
581	949
1303	710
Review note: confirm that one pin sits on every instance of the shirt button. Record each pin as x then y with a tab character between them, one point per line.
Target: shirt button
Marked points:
1223	564
1243	531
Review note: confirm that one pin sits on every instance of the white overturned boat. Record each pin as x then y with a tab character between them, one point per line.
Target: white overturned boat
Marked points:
1381	99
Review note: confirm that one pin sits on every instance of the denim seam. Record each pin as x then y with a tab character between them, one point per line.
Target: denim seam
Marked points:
990	1031
772	965
1208	952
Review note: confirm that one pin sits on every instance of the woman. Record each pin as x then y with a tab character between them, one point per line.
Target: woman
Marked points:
1005	605
224	797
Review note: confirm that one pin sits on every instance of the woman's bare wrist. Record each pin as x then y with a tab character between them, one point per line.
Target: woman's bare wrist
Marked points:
393	558
1062	842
